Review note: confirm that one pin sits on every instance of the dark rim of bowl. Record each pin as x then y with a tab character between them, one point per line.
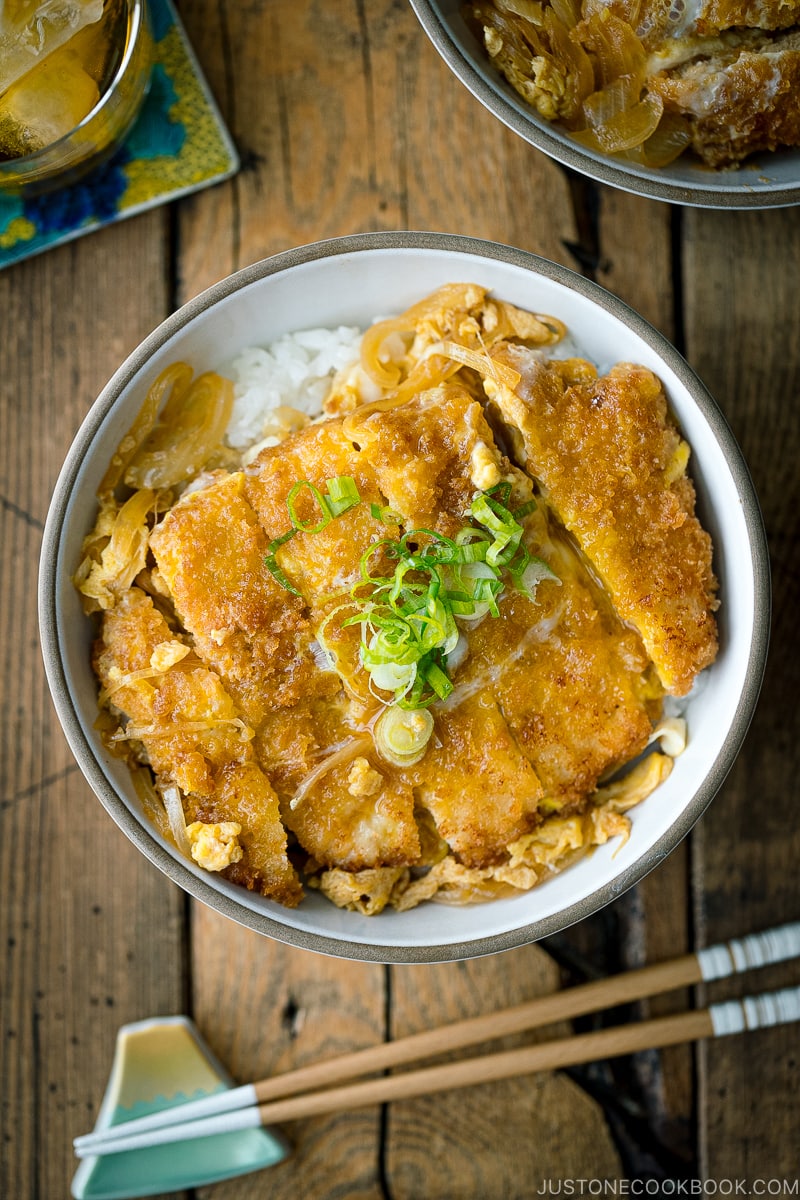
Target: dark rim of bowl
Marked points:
570	154
141	836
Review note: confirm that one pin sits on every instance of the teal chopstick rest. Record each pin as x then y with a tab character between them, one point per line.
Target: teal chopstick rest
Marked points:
158	1064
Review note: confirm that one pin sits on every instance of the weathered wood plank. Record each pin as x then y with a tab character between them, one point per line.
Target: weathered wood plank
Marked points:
307	1006
636	255
266	1008
81	950
347	120
742	316
625	243
499	1141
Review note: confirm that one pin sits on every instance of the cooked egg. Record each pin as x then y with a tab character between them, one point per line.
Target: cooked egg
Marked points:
215	847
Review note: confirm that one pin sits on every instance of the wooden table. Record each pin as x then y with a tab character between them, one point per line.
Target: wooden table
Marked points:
347	120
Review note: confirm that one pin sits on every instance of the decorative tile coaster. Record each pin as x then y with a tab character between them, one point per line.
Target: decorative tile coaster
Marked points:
178	144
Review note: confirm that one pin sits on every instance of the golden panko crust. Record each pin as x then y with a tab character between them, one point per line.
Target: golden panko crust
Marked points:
612	468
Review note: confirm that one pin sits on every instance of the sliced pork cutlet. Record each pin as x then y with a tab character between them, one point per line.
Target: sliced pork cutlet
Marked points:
571	681
431	455
478	786
612	467
211	553
193	737
740	98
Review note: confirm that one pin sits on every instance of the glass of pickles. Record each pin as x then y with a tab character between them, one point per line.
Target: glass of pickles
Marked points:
73	75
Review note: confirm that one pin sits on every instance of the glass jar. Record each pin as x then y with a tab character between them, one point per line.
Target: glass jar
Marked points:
105	126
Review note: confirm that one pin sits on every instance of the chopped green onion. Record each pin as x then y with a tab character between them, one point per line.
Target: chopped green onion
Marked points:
277	542
385	515
342	495
402	737
503	490
279	575
298	524
437	679
408	615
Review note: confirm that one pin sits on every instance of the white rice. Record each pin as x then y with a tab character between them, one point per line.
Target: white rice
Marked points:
295	371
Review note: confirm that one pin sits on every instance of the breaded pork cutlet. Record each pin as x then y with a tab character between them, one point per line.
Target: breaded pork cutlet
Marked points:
612	468
191	734
558	684
210	550
739	99
429	456
655	21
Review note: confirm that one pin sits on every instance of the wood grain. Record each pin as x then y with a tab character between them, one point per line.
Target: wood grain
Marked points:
626	244
266	1008
502	1139
91	935
742	314
347	120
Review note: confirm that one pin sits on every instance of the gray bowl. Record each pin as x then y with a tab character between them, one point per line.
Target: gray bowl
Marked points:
769	181
349	281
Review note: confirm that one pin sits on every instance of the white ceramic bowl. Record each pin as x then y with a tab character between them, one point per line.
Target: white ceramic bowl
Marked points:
349	281
769	181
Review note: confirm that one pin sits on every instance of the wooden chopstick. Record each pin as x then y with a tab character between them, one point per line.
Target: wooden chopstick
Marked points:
732	1016
716	962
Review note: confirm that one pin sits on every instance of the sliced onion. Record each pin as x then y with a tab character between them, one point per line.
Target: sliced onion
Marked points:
476	570
535	573
151	802
136	732
529	10
324	659
172	382
351	749
191	427
456	656
177	818
671	138
574	60
449	299
567	11
619	128
615	46
671	733
482	363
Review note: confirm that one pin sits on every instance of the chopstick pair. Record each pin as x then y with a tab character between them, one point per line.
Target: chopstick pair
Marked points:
292	1096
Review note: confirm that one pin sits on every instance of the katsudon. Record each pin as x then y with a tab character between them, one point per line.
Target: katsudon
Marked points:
415	642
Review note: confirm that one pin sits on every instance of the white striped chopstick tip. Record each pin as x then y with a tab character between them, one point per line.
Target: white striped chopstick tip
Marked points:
191	1110
224	1122
756	1012
748	953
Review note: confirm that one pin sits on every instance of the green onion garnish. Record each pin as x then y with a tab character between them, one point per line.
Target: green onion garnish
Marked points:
342	495
280	576
385	515
412	588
